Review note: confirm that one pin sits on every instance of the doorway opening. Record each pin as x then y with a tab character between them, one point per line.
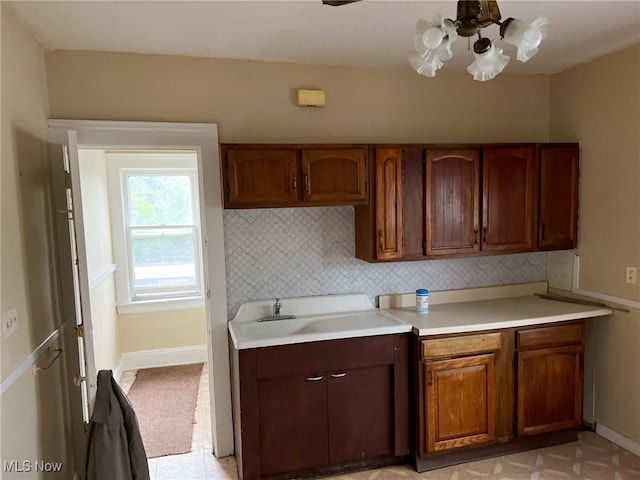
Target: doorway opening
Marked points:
144	255
145	283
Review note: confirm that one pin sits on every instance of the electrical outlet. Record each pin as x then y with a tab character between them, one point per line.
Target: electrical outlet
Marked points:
9	321
632	275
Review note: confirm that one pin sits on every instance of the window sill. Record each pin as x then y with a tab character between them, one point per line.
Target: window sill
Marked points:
146	306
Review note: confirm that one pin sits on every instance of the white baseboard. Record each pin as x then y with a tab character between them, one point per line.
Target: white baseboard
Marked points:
618	439
162	357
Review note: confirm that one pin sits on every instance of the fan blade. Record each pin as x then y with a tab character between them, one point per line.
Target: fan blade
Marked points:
338	3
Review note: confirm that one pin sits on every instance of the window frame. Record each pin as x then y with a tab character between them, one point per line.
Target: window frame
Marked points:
120	166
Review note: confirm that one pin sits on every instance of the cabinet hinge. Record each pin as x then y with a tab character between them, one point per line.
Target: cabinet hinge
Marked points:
79	330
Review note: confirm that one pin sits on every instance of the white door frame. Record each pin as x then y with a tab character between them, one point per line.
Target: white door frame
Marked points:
204	138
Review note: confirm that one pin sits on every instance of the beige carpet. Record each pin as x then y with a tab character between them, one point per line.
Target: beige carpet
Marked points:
164	400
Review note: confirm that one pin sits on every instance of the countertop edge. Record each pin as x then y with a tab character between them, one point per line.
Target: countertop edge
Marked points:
522	322
320	337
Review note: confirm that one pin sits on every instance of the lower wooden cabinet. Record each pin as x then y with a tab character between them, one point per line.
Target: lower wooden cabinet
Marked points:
292	423
320	406
497	390
460	401
361	414
549	380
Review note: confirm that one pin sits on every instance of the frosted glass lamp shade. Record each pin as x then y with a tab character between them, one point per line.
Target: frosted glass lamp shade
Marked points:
426	65
525	36
432	44
489	64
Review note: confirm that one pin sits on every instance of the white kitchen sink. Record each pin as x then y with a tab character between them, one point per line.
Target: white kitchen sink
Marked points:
361	319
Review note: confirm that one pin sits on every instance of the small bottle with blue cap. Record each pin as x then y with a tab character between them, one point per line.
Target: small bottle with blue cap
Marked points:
422	300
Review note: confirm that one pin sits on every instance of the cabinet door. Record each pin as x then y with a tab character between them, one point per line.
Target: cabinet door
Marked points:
507	198
558	226
460	401
292	423
361	414
334	175
262	177
389	192
453	183
549	389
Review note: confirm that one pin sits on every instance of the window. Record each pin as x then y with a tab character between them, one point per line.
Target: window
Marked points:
156	226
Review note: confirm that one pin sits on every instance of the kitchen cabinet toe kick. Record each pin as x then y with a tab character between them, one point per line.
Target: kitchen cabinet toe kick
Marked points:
470	454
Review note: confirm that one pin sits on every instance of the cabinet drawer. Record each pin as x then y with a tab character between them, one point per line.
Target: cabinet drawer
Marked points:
455	346
536	337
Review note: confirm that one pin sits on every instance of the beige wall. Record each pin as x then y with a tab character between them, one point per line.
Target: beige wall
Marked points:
33	425
169	329
598	104
254	101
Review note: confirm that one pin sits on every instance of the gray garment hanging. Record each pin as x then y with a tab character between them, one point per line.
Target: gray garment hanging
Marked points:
114	446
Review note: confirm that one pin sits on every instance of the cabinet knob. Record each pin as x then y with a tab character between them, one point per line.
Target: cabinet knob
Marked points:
315	379
380	240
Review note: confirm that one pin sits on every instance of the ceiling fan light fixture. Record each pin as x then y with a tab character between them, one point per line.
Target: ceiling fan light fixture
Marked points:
433	39
489	64
526	37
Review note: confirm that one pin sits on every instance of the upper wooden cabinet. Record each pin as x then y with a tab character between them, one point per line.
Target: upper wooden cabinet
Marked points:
452	198
334	175
508	197
389	203
257	176
379	226
261	177
558	225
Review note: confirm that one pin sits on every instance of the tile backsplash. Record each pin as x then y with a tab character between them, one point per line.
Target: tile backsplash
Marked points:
293	252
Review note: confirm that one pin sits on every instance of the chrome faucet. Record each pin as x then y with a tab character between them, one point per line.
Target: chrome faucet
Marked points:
276	313
276	308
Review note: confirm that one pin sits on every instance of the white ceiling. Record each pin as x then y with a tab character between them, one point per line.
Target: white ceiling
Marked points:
375	33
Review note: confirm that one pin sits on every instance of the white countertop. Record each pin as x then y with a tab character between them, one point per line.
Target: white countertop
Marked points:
473	316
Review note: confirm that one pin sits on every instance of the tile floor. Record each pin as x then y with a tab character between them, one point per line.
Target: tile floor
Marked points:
590	458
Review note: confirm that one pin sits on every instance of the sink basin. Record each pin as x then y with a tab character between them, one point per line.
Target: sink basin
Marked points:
314	328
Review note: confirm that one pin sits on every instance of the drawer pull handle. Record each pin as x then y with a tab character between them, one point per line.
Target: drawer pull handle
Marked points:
295	183
430	377
315	379
338	375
